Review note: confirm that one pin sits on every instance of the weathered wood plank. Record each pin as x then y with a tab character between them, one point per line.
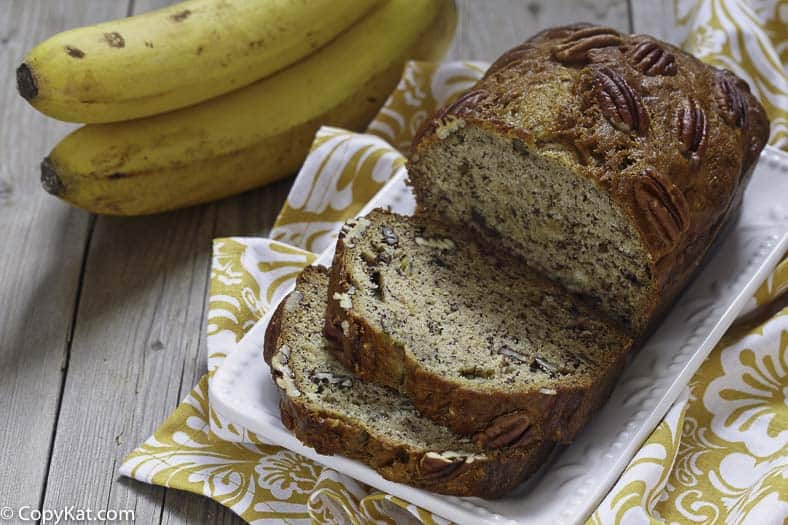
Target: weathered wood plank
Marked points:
138	322
488	28
40	263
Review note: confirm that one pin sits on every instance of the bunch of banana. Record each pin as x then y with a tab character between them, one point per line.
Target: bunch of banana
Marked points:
176	56
243	116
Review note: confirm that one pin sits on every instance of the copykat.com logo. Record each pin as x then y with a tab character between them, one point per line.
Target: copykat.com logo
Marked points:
71	514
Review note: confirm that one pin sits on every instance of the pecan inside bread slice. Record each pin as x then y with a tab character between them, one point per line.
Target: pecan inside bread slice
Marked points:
331	410
479	341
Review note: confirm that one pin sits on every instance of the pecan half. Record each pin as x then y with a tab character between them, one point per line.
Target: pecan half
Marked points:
462	106
434	466
620	104
574	48
730	100
559	32
508	430
663	205
692	128
651	59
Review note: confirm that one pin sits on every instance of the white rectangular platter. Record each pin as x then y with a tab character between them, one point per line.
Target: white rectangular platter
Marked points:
570	486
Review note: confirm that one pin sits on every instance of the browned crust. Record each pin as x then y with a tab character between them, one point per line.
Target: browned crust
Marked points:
693	258
272	332
706	182
375	357
499	472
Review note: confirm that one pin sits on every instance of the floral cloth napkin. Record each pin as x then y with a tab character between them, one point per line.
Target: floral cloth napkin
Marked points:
720	456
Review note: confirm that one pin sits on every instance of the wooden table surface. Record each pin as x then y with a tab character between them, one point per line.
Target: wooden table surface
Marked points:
102	318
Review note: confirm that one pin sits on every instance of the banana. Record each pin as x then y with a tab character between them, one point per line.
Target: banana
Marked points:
177	56
251	136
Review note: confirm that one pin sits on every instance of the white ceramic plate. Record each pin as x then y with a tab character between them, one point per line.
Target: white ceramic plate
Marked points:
571	485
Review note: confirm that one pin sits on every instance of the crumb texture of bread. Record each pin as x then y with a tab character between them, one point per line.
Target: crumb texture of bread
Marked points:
479	341
331	410
609	162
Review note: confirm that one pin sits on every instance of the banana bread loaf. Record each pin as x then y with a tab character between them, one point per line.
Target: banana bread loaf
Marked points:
476	339
608	161
335	413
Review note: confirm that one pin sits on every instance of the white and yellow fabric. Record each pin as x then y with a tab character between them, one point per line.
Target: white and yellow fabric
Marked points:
719	456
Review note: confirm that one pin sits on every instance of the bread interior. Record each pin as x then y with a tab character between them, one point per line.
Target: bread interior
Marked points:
468	315
532	202
330	389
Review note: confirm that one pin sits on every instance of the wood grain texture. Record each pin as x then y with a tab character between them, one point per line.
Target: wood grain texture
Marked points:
40	263
138	344
487	28
138	324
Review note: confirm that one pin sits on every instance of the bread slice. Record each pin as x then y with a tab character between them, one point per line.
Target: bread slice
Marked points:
608	161
478	341
335	413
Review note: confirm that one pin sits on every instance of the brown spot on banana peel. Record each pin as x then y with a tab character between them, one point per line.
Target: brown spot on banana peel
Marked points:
73	52
180	16
50	180
26	82
114	40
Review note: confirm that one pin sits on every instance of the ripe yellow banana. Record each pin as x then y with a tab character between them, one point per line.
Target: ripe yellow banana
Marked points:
177	56
251	136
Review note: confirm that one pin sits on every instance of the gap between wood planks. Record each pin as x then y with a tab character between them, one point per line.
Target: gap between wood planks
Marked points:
64	368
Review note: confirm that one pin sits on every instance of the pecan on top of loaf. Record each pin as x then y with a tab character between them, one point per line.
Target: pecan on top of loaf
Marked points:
576	46
620	104
608	161
650	58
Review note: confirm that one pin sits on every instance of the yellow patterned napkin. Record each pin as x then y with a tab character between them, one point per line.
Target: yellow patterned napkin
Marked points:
720	455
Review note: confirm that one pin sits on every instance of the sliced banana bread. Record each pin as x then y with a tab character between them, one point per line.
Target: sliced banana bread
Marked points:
477	340
608	161
332	411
